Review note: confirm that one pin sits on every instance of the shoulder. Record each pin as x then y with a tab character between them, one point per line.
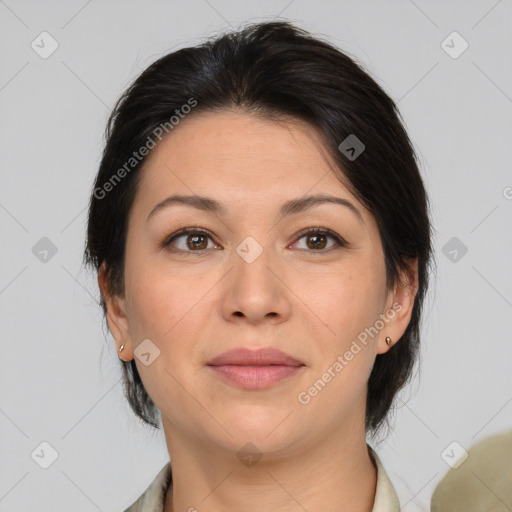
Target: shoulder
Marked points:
152	499
479	479
386	499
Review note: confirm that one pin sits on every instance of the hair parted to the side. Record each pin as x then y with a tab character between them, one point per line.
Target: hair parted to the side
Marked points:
274	69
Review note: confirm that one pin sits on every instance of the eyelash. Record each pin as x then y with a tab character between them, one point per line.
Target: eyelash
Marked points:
198	231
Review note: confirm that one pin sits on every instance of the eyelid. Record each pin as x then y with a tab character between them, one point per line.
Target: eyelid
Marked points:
340	241
185	231
323	231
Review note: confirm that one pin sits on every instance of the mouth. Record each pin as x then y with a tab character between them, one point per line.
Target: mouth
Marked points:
255	369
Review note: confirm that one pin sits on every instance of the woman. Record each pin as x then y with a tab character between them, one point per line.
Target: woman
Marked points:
262	240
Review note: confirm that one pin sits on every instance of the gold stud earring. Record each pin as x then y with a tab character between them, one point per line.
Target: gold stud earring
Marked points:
121	348
389	340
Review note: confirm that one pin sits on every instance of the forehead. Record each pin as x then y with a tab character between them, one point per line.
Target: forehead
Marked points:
241	158
220	128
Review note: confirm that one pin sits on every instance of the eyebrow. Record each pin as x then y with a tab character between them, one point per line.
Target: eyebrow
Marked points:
292	207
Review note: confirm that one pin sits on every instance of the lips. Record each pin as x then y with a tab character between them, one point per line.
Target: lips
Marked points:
261	357
254	370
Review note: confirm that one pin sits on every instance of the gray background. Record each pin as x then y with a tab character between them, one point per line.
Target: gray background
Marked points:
60	378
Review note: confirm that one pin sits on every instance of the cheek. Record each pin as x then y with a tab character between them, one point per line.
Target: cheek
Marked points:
158	296
348	301
344	354
171	308
161	308
351	306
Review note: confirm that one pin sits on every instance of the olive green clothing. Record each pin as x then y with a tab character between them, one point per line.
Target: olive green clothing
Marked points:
483	482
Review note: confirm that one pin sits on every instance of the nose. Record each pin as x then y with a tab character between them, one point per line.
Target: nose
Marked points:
256	290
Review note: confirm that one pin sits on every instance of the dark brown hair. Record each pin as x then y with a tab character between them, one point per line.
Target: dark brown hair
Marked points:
273	69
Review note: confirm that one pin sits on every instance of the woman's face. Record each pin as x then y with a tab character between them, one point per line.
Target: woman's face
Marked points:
258	278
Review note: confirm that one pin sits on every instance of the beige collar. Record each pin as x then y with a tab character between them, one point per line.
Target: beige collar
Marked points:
152	500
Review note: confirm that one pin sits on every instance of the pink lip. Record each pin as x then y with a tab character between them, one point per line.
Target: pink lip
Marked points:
262	357
255	369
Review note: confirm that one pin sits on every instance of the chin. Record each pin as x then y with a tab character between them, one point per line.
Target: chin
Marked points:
269	428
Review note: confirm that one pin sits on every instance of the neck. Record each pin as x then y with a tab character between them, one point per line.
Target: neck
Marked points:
334	474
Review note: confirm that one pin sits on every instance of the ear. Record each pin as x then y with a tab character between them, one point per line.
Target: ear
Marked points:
116	316
399	305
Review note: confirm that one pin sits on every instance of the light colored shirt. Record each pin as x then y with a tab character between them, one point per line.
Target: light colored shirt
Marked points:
153	498
481	481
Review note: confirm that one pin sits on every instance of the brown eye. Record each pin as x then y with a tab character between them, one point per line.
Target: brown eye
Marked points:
317	239
196	240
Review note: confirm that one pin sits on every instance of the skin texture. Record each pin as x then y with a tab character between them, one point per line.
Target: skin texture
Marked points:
311	303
